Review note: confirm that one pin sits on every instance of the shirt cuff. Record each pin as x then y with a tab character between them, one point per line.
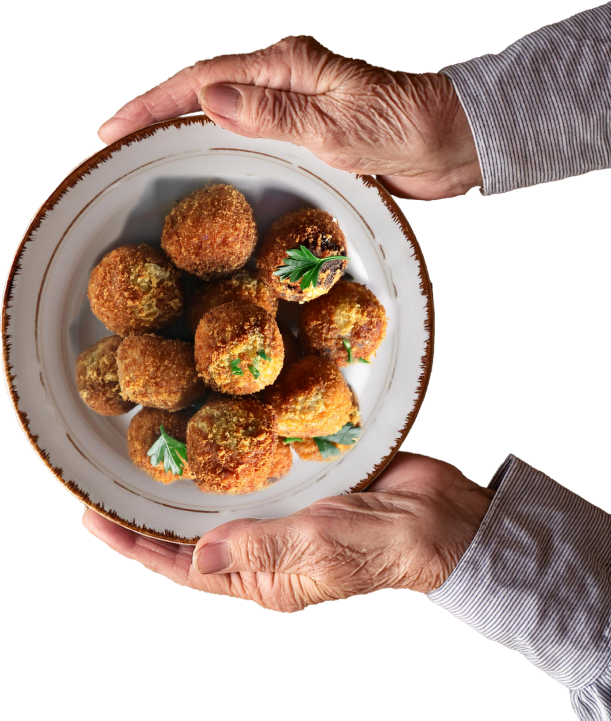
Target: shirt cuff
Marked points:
537	576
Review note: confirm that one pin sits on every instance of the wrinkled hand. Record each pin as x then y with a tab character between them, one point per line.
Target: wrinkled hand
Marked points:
408	129
407	531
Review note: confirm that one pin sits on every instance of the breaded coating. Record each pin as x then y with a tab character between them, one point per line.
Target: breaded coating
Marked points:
136	289
228	342
348	312
282	461
307	449
321	235
211	232
231	444
243	285
158	373
142	433
313	399
97	378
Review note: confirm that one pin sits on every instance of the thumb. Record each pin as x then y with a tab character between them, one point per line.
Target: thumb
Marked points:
255	546
262	112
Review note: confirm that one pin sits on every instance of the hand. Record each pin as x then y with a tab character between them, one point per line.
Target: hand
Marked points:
408	530
408	129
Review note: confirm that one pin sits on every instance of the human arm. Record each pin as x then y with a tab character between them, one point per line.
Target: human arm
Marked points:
537	579
541	109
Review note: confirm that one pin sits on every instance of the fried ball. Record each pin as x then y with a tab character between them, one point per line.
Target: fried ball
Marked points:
158	373
243	285
97	378
320	234
348	313
144	430
307	449
228	342
282	461
136	289
231	444
211	232
313	399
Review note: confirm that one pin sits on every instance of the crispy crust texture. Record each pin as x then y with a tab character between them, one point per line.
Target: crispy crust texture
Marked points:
313	399
97	378
211	232
238	331
158	373
320	233
136	289
282	461
349	311
307	449
143	431
231	444
243	285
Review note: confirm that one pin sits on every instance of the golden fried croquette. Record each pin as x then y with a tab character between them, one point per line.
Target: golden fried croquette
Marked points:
142	433
307	449
230	343
158	373
136	289
97	378
243	285
211	232
231	444
321	235
349	312
282	461
313	399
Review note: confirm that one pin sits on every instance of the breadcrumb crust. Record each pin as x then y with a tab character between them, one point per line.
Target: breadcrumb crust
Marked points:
320	233
136	289
231	444
142	433
211	232
159	373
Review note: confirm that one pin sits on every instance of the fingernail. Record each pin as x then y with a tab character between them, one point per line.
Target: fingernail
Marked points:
213	557
220	99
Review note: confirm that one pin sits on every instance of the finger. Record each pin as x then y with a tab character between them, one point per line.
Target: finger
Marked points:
287	545
168	559
172	98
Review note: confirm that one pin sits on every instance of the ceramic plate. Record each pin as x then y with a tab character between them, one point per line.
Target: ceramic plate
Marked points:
121	195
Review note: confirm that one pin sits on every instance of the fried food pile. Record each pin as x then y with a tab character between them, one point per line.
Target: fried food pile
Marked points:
224	404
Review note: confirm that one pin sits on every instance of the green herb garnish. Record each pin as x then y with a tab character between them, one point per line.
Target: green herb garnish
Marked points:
363	360
292	440
348	347
262	354
173	453
235	367
254	370
346	436
302	264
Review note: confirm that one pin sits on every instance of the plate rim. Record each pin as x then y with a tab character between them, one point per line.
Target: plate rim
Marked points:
71	180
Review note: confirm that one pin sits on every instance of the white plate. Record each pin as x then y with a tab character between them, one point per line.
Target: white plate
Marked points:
121	195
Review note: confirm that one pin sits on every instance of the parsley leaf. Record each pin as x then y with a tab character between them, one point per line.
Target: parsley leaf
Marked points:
346	436
292	440
262	354
168	450
254	370
363	360
235	367
302	264
348	347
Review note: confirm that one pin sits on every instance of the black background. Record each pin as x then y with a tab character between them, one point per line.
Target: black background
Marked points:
519	284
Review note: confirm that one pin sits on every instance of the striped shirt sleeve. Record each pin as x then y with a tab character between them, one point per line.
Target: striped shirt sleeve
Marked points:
541	109
537	578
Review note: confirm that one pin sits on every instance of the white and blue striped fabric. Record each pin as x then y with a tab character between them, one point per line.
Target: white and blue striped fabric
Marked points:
541	109
537	578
